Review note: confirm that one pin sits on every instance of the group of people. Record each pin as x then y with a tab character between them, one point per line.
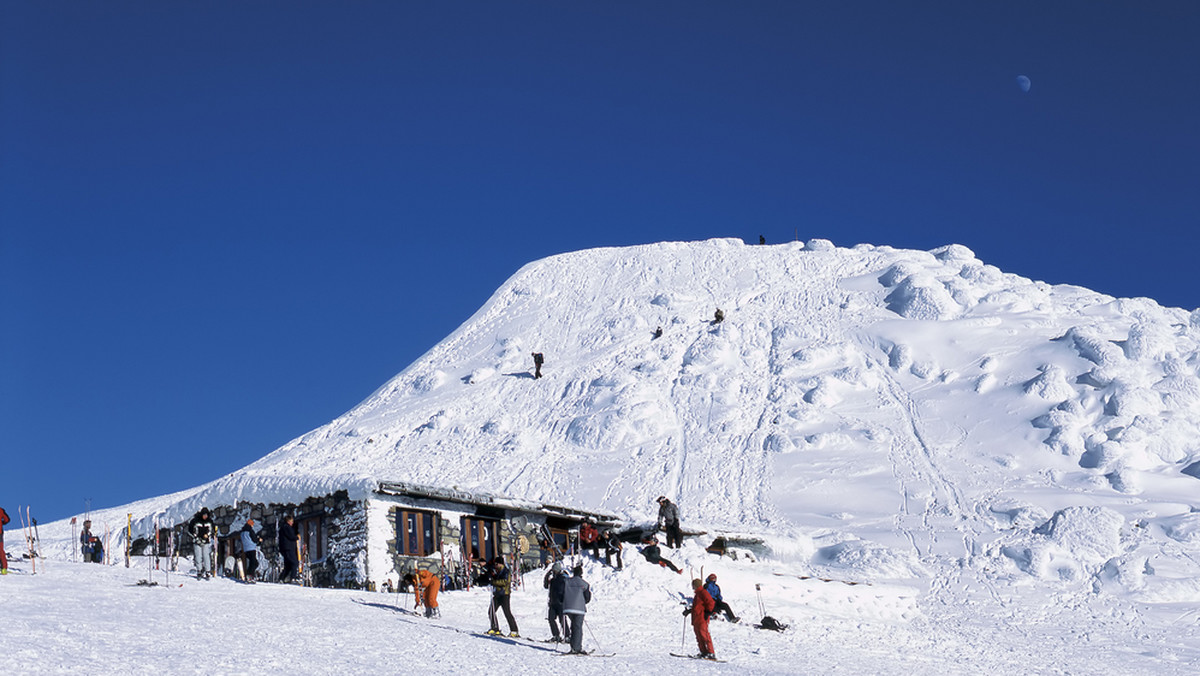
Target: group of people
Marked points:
592	539
89	545
569	596
204	540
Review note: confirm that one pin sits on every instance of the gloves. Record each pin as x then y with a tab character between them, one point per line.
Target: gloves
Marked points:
687	611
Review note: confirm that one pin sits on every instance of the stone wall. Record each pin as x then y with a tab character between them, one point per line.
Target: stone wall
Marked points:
343	534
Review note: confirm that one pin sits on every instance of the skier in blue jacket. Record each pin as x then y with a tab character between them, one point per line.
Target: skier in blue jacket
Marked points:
710	586
250	541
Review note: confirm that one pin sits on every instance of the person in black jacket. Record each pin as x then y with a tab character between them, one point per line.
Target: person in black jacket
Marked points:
654	555
538	360
289	548
612	547
556	582
497	575
204	538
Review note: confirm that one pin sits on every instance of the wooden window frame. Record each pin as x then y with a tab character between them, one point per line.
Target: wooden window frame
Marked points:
424	540
476	528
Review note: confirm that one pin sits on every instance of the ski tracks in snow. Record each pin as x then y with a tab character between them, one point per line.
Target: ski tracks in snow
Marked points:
929	503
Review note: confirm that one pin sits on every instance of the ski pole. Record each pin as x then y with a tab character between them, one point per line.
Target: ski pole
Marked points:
589	628
758	590
37	539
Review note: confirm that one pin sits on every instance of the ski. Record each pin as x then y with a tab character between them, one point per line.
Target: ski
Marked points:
697	657
589	653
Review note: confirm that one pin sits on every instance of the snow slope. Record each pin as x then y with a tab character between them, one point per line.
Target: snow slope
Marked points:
1023	456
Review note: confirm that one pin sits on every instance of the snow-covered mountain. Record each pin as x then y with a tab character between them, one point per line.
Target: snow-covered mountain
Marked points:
869	407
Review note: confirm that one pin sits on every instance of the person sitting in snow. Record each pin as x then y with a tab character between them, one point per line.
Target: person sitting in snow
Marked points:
589	538
654	555
719	606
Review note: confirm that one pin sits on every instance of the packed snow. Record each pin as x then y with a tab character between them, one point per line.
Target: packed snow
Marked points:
1008	468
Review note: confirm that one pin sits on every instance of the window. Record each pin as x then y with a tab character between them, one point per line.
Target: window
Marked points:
312	537
562	539
416	533
480	538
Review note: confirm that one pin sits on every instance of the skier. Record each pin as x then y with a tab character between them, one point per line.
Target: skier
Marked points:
576	595
203	536
719	316
425	587
654	555
719	605
762	240
250	542
538	360
700	610
3	556
668	520
589	538
289	548
556	581
612	547
497	575
658	332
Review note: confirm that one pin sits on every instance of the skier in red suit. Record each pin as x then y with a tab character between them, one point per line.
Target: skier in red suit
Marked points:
3	558
702	606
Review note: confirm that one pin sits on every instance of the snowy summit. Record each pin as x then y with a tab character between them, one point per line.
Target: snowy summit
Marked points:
1005	468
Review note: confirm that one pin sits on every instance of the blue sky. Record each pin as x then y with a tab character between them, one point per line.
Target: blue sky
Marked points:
223	224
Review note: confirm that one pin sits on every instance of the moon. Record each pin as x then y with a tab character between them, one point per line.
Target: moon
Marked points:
1024	83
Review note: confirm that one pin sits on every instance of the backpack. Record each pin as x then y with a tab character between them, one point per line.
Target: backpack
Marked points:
771	623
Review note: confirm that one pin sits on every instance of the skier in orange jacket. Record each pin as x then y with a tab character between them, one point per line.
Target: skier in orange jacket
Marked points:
425	587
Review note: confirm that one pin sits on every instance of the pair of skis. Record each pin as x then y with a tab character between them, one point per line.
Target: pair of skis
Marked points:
29	528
